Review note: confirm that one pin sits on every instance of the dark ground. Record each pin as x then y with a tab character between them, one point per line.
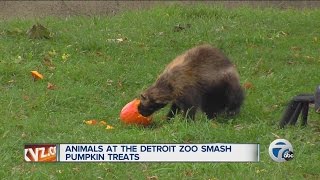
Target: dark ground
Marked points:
38	9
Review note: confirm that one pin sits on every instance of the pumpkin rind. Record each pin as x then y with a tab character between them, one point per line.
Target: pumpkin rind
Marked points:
130	114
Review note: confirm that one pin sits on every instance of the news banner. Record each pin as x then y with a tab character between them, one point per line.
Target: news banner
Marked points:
217	152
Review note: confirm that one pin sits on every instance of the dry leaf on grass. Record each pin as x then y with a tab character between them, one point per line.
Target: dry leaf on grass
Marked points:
152	178
65	56
26	98
23	135
48	63
290	62
247	85
296	48
275	135
14	32
36	75
238	127
109	127
91	122
101	123
315	39
214	124
118	40
52	53
180	27
51	86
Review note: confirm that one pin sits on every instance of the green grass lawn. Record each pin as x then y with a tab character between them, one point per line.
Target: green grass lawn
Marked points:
95	76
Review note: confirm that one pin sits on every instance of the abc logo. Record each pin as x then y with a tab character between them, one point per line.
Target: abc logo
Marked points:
280	150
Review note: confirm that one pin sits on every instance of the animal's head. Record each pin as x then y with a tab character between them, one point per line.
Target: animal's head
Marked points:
153	99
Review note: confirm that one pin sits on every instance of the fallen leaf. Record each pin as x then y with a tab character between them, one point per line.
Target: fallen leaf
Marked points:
52	53
120	84
120	39
111	40
309	57
213	178
76	169
220	29
109	82
310	143
315	39
51	86
98	53
189	173
214	124
18	60
25	97
36	75
102	123
238	127
180	27
59	171
295	48
290	62
152	178
259	171
270	71
91	122
65	56
109	127
247	85
283	33
23	135
48	63
277	136
14	32
5	134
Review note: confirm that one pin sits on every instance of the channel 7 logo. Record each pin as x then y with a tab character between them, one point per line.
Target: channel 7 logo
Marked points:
40	153
281	150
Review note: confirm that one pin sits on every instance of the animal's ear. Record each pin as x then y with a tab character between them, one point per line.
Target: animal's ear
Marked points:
143	97
166	88
164	95
169	87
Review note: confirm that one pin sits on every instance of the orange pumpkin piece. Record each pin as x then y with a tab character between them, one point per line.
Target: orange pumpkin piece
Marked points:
36	75
130	114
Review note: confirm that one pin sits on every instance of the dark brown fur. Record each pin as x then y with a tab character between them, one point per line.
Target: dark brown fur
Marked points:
201	78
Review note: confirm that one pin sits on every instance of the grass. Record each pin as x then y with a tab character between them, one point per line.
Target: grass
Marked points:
276	50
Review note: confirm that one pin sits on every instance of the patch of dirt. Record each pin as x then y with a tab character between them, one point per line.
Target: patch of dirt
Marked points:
38	9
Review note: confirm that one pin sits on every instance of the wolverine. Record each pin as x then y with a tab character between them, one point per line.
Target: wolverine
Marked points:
202	78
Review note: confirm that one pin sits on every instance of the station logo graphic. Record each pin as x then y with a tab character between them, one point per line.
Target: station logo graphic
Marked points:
40	153
281	150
